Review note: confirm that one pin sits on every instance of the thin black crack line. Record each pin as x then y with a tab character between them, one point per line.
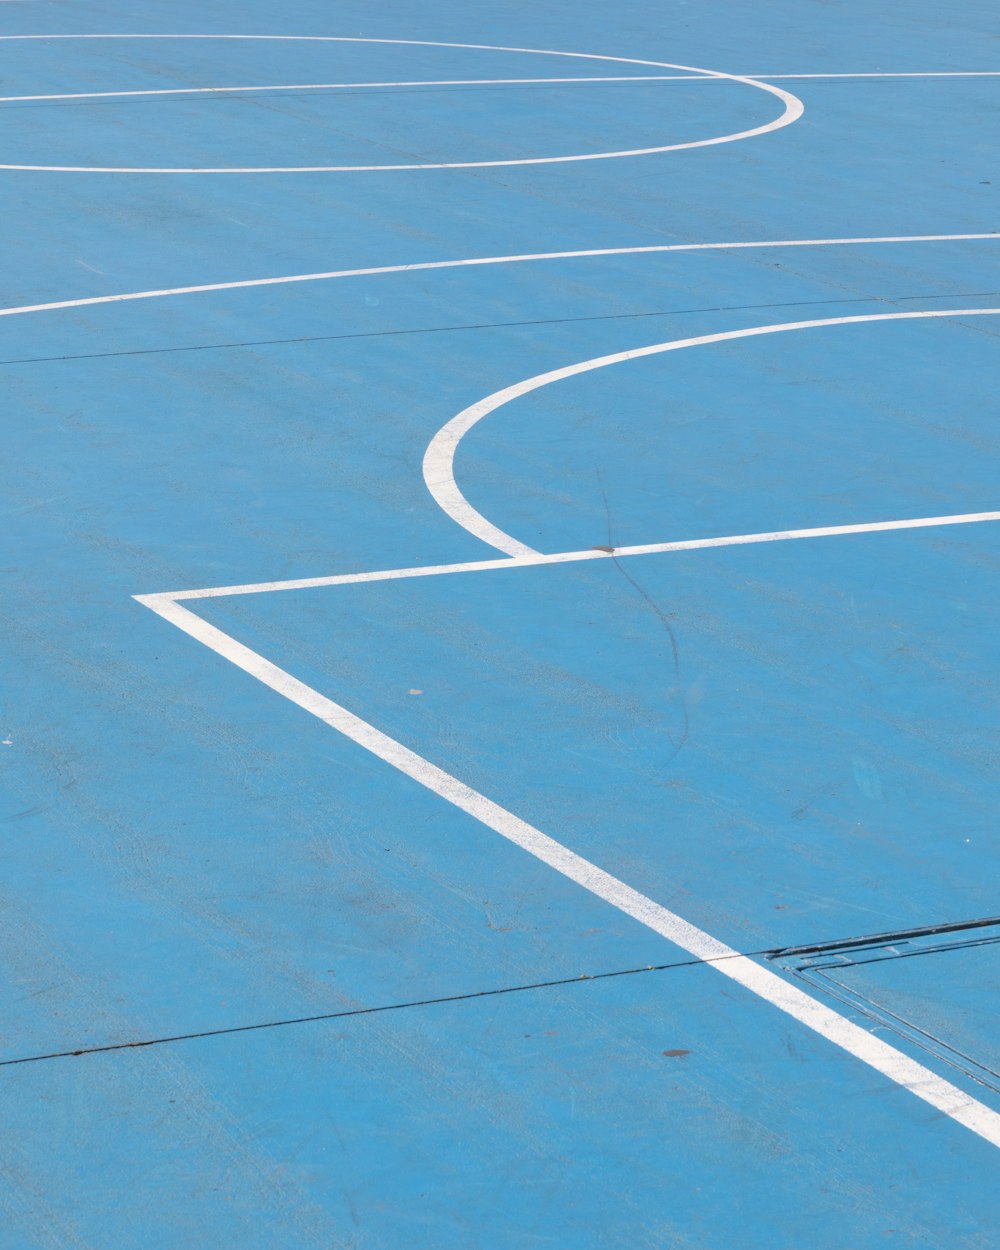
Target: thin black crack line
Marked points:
941	949
769	953
371	1011
883	939
490	325
664	620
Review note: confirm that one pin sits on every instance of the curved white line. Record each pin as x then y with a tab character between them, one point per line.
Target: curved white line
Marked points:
474	261
793	110
439	458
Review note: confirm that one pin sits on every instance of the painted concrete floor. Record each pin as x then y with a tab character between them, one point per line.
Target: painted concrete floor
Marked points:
500	723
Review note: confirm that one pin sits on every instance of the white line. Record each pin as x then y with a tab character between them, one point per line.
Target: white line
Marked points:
480	82
439	458
346	86
792	110
472	262
765	984
949	73
588	553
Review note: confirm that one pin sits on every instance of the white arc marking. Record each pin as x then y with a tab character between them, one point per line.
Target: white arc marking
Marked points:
439	458
475	261
765	984
792	110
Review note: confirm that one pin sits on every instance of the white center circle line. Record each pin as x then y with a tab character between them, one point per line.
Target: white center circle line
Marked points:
793	109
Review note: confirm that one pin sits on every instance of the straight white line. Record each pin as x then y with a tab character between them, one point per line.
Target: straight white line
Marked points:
472	262
345	86
439	458
588	553
948	73
480	82
765	984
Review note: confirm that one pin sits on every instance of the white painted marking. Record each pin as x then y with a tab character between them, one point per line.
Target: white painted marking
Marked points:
948	73
481	82
588	553
353	86
762	982
439	458
792	110
472	262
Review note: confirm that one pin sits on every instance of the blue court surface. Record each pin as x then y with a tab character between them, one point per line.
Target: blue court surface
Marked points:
500	721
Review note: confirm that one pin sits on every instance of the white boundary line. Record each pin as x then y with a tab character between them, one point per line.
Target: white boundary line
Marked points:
762	982
791	112
346	86
475	261
536	559
439	458
933	73
479	82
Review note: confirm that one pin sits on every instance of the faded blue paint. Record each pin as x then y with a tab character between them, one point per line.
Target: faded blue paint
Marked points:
186	852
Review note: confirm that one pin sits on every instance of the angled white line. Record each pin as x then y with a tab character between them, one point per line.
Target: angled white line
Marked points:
762	982
475	261
535	559
439	458
478	82
353	86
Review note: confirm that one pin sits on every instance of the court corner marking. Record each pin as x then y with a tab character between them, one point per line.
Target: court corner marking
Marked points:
762	982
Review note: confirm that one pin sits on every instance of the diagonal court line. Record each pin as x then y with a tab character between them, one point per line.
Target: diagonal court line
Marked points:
475	261
765	984
534	559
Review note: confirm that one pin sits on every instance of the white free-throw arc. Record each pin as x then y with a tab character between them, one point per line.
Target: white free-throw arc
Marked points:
439	458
